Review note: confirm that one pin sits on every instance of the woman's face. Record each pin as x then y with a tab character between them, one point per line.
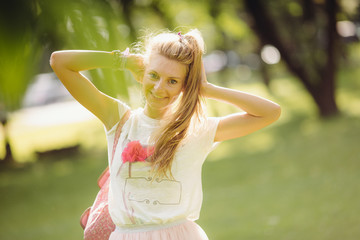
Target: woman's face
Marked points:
163	82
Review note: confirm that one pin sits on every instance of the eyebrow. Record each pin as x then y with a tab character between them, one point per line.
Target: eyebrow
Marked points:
175	78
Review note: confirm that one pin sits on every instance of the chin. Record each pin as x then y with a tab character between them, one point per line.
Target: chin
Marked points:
157	106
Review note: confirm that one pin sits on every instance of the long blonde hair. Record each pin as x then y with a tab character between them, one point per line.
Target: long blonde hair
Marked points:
187	49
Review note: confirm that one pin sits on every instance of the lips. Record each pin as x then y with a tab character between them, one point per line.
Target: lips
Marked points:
157	97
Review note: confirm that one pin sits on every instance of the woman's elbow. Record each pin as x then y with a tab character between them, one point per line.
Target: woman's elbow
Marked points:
276	112
57	59
54	59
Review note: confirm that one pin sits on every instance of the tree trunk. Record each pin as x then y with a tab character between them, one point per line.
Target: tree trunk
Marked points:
326	103
324	95
321	86
324	92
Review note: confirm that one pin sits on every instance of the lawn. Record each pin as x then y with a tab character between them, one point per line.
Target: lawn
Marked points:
305	186
295	180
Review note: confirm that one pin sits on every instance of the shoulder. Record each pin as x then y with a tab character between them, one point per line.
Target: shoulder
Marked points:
201	136
204	128
118	111
208	124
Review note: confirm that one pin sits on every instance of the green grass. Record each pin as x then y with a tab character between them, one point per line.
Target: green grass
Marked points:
46	199
306	186
295	180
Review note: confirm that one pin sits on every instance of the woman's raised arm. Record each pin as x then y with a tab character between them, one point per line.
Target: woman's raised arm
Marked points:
258	112
67	66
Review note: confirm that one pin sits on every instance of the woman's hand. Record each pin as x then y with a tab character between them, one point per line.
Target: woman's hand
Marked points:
135	64
256	112
204	83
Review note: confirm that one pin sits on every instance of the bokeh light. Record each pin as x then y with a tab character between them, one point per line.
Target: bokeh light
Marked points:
270	54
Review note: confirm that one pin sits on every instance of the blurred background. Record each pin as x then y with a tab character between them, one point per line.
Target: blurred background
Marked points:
297	179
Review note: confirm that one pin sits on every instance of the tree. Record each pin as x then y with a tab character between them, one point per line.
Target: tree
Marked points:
32	29
305	34
20	54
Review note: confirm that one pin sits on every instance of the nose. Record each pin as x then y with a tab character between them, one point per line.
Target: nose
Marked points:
159	86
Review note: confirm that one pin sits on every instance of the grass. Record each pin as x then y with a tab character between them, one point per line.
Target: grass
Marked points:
45	200
295	180
306	186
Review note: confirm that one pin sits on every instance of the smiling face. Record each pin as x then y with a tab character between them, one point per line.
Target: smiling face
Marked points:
163	82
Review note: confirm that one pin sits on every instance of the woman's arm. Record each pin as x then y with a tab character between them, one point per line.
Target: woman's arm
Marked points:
67	66
258	112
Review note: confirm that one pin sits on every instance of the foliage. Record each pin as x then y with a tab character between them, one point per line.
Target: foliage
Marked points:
20	53
296	180
115	24
305	34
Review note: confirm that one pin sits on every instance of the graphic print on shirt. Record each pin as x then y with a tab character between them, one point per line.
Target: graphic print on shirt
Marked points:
140	187
159	191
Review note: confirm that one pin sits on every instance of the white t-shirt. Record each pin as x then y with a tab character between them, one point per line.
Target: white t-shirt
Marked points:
137	200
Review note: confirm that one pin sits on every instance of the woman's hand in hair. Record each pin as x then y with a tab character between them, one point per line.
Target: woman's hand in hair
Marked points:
135	64
204	83
208	90
255	112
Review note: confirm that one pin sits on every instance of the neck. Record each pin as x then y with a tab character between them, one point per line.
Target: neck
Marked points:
154	113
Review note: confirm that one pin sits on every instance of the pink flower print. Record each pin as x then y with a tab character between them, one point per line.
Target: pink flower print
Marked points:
135	152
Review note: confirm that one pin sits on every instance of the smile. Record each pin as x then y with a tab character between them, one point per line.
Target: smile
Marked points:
157	97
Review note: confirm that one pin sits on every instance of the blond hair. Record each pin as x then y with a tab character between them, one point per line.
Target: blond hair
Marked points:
187	49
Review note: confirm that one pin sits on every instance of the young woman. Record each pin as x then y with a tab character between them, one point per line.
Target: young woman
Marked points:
155	175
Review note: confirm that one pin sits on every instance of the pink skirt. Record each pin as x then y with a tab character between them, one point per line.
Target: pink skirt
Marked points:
176	231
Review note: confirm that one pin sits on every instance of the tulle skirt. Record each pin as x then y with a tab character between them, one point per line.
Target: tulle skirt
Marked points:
184	230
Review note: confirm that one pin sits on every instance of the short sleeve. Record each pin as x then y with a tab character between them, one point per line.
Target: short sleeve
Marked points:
211	128
122	108
204	135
